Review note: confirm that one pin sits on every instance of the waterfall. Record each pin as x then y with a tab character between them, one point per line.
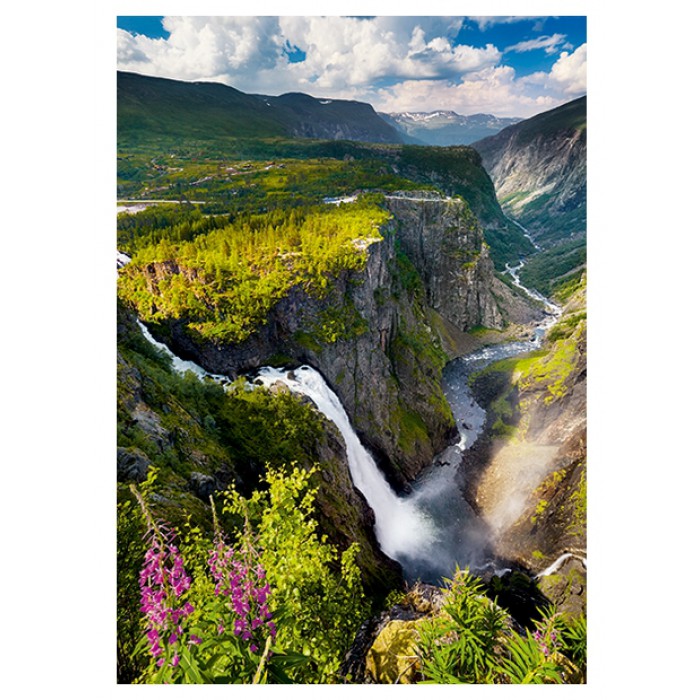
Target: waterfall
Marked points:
432	530
179	365
402	527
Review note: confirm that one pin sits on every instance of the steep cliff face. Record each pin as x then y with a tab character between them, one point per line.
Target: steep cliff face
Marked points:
444	240
539	170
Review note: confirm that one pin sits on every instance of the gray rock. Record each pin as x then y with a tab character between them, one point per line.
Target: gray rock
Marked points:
202	485
132	464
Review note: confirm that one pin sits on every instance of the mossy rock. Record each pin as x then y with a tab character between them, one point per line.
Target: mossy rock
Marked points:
393	658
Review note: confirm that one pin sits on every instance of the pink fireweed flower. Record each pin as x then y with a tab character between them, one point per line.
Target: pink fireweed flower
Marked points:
243	585
546	637
163	580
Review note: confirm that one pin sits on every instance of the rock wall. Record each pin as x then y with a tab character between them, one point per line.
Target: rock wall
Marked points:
443	239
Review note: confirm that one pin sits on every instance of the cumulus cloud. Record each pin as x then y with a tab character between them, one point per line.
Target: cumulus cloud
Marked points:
570	70
568	75
493	90
340	51
201	48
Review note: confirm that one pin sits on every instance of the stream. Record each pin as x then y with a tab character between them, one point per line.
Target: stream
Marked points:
431	530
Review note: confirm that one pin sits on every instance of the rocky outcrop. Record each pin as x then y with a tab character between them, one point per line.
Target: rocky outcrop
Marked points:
444	241
132	464
385	646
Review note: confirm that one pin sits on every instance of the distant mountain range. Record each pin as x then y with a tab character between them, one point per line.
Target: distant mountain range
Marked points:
161	107
446	128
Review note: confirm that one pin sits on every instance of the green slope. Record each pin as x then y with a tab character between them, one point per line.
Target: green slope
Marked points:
148	108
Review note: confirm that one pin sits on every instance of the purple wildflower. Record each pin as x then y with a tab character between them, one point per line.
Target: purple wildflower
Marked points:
242	583
163	580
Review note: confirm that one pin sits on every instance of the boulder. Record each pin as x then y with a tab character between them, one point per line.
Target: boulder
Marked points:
132	464
202	485
393	658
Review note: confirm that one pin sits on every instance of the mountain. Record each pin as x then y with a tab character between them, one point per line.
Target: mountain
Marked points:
309	117
538	167
446	128
159	108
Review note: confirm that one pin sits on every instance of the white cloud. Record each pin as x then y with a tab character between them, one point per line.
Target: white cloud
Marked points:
550	44
568	75
570	70
486	22
494	90
341	52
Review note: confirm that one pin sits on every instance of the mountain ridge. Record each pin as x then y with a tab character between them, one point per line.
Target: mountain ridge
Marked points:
207	110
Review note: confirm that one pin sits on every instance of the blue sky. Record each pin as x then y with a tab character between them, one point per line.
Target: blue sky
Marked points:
508	66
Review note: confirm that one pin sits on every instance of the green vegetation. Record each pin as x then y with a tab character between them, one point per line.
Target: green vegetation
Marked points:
552	269
317	596
175	110
577	527
255	175
471	642
575	285
224	283
227	185
339	323
551	374
264	598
